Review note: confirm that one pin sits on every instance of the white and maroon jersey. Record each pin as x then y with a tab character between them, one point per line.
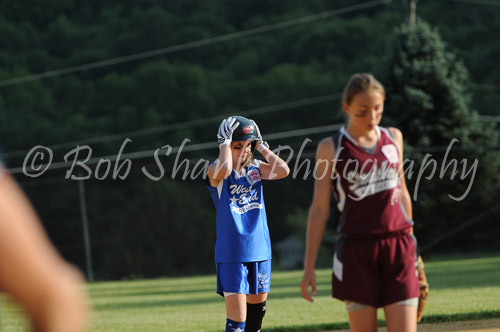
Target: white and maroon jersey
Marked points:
367	185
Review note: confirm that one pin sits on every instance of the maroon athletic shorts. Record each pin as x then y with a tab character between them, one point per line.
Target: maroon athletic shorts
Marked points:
376	271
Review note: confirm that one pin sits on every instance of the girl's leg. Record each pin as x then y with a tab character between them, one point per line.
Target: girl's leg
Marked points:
401	318
236	311
363	320
256	310
256	298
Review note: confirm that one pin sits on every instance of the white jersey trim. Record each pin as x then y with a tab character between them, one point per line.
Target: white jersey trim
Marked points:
377	130
341	198
408	220
219	187
338	267
388	133
256	163
340	191
344	132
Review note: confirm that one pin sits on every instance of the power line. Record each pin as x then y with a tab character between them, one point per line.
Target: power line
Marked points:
112	137
485	86
169	150
202	121
479	2
184	148
186	124
474	56
489	118
193	44
458	228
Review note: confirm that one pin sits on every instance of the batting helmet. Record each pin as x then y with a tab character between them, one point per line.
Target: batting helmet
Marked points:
245	131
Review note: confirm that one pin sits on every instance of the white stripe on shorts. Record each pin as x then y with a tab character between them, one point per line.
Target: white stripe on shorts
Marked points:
353	306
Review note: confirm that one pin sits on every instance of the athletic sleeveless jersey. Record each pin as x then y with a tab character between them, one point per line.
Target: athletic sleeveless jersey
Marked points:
242	232
367	186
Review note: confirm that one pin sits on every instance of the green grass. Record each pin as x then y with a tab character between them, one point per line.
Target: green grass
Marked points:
461	289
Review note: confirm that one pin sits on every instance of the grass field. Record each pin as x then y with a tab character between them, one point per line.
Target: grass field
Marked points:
461	289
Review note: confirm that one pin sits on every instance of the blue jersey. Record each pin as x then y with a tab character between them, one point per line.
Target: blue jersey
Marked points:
242	232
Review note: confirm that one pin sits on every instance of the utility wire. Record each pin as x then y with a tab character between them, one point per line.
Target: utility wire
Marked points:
485	86
474	56
458	228
479	2
186	124
193	44
202	121
130	134
184	148
489	118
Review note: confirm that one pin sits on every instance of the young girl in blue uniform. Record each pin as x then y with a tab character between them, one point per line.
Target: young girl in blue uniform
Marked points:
243	246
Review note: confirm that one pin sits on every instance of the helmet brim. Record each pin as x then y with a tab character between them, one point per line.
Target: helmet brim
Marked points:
251	139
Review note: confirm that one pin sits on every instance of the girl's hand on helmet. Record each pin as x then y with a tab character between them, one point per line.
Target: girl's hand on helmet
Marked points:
226	129
261	144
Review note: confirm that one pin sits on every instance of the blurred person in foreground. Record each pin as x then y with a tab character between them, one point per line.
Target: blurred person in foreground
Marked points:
31	271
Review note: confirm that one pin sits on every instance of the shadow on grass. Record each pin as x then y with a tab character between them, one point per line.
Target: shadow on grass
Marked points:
169	287
470	275
426	319
323	290
161	291
160	303
144	285
487	314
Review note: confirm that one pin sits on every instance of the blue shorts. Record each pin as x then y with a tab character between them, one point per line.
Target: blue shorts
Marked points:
244	278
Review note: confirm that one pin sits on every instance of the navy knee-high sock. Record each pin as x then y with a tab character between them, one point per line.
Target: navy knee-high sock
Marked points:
232	326
255	315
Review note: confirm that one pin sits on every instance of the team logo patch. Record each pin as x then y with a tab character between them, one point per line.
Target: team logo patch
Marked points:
247	130
391	153
254	175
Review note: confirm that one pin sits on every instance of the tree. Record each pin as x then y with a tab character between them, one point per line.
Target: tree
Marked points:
428	99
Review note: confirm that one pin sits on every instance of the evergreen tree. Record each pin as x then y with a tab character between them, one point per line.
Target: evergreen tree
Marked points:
429	100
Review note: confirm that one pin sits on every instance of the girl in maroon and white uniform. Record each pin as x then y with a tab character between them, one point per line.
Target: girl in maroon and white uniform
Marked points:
374	262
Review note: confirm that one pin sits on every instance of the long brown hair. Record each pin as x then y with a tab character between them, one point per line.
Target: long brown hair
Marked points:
248	161
361	82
